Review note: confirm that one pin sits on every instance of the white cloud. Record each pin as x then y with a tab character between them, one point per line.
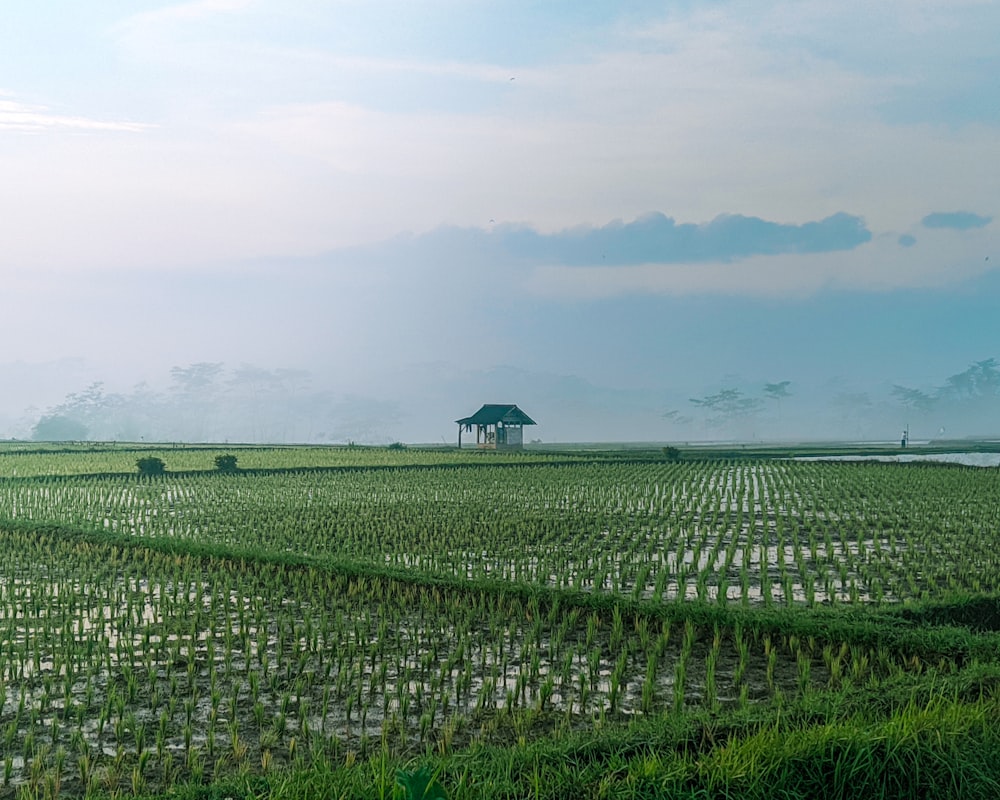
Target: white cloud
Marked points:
25	118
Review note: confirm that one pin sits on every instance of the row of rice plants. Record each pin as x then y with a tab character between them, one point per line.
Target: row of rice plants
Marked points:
123	667
37	459
766	533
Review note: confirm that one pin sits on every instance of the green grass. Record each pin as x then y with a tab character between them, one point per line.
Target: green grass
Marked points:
939	748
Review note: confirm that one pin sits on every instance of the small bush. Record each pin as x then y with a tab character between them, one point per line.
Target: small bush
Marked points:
671	454
151	465
226	463
397	446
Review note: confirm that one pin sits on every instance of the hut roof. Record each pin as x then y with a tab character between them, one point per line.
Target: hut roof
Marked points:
493	413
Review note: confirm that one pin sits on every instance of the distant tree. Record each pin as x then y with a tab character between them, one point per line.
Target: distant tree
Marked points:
981	380
777	392
727	405
854	411
676	417
195	400
151	465
913	399
397	446
671	454
58	428
104	416
196	378
226	463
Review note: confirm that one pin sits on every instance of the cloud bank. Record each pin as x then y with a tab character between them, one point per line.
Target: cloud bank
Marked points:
955	220
658	239
653	238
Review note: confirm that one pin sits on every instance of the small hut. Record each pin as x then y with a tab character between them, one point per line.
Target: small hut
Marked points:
498	427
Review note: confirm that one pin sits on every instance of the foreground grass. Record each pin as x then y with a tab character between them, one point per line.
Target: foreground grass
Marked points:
931	747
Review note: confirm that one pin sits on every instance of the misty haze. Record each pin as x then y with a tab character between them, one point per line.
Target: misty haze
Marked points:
210	402
263	222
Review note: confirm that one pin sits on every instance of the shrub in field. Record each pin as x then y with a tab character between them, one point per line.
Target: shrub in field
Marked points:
226	463
151	465
671	454
397	446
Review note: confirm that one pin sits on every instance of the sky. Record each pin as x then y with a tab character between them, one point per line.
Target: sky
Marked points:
598	211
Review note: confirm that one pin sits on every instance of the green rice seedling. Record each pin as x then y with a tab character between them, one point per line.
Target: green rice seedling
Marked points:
138	782
195	763
711	665
85	768
649	684
680	681
664	638
804	664
859	665
161	734
744	698
771	654
833	659
743	654
593	667
617	630
167	769
545	692
239	747
36	770
583	692
28	745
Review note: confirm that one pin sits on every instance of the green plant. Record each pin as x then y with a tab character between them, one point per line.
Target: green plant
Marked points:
421	784
226	463
151	465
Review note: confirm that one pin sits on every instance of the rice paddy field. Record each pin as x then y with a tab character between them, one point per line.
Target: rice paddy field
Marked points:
372	622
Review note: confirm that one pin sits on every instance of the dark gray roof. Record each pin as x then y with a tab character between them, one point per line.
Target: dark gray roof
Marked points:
492	413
